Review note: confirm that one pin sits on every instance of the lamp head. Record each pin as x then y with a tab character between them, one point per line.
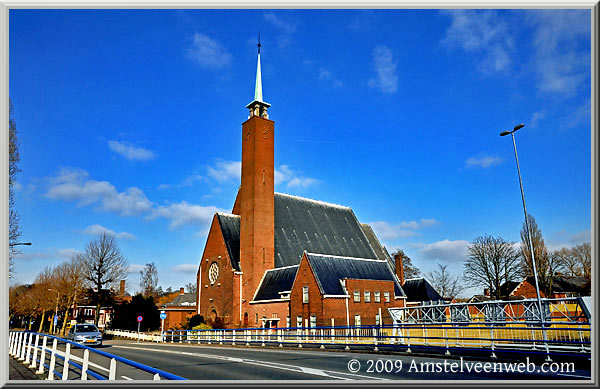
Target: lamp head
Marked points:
519	126
503	133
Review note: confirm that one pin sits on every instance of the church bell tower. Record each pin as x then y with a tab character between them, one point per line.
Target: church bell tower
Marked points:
257	204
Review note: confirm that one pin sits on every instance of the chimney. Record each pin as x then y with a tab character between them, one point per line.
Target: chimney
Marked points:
122	288
181	290
399	268
486	292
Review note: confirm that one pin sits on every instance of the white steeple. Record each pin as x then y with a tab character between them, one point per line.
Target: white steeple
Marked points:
258	107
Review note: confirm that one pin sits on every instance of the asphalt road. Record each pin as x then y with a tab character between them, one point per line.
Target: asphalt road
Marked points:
211	363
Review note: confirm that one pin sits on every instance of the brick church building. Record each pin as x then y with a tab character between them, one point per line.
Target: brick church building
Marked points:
284	261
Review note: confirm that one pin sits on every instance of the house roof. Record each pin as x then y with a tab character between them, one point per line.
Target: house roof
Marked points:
579	285
419	289
186	299
304	224
329	270
275	281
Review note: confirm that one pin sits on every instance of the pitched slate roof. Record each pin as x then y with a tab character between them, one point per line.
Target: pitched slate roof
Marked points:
418	289
579	285
275	281
329	270
303	224
317	227
186	299
230	226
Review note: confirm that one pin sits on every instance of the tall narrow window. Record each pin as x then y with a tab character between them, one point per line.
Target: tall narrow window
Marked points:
313	321
357	320
305	294
299	321
288	322
367	296
377	320
386	297
377	296
357	296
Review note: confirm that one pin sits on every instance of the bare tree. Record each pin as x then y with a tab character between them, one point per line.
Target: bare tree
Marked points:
575	261
492	261
546	265
447	285
410	270
149	280
190	287
70	282
104	266
14	230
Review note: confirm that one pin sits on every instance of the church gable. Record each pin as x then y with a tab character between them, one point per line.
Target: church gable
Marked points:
230	229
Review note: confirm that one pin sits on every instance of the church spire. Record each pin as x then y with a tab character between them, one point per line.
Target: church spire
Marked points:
258	107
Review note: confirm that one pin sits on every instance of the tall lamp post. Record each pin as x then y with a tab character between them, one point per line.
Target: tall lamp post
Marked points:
537	287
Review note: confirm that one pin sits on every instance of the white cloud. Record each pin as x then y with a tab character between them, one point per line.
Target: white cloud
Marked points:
480	32
226	171
131	152
285	175
135	268
578	115
483	161
67	253
565	239
97	229
387	231
386	78
74	185
536	117
208	52
189	181
185	268
560	59
454	251
326	75
183	213
281	24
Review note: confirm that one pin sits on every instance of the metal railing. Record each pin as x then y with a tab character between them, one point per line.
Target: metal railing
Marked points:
69	360
447	337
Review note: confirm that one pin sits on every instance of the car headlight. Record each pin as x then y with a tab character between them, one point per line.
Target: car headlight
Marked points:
79	337
99	337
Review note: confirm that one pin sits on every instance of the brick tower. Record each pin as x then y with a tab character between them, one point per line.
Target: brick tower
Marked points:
257	204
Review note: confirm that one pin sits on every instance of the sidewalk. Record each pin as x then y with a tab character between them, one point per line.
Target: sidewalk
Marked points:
18	371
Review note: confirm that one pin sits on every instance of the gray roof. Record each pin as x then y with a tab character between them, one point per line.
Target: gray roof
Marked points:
230	226
275	281
315	226
329	270
186	299
418	289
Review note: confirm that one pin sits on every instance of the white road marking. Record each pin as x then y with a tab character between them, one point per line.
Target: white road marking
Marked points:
127	378
274	365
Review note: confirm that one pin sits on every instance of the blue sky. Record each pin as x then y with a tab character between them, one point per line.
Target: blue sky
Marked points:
130	121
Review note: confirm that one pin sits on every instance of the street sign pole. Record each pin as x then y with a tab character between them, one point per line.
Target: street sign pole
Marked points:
138	339
163	316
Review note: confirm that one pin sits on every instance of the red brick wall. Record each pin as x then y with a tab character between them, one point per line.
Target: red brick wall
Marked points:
280	309
527	290
257	205
177	316
327	308
221	292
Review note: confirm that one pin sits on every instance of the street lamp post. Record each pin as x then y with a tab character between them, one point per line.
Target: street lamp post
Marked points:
55	318
537	287
19	244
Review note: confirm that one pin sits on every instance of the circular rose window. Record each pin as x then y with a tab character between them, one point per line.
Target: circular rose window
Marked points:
213	272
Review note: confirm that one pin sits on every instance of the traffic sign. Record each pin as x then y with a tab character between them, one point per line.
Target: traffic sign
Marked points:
139	318
163	315
55	319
